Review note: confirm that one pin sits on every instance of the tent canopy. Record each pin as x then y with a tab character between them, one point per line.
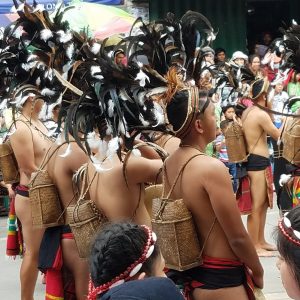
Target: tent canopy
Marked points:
6	5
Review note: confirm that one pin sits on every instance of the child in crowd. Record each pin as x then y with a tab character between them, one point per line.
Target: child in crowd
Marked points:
126	263
278	97
288	244
220	145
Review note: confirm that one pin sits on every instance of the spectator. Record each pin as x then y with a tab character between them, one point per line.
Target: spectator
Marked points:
220	55
255	65
277	98
122	255
293	87
288	244
239	58
221	149
120	58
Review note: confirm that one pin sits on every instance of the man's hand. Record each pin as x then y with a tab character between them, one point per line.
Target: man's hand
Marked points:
11	193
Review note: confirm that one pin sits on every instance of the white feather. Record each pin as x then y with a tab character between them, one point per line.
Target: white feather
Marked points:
49	73
20	8
3	105
70	51
99	165
28	66
113	146
67	152
18	32
92	140
111	107
109	130
95	70
46	34
121	127
294	22
284	178
102	150
43	112
158	113
95	48
142	77
52	132
143	121
64	37
31	57
47	92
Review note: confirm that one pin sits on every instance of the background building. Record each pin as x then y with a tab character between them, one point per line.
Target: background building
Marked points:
239	22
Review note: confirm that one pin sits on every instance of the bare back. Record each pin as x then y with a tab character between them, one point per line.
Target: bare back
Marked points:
256	125
114	197
194	188
61	169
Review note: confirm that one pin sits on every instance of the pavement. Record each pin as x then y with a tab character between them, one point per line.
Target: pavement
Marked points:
9	270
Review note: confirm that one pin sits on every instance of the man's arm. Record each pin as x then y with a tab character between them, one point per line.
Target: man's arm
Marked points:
140	170
22	144
75	160
224	205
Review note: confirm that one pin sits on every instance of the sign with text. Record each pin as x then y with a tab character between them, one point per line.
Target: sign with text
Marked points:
7	6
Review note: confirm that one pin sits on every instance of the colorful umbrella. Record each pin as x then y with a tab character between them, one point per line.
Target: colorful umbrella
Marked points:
100	21
6	19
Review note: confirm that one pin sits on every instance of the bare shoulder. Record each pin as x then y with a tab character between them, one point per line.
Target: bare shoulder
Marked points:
75	159
209	165
20	131
139	162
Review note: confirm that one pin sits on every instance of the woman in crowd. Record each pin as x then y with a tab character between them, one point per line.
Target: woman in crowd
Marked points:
288	244
126	263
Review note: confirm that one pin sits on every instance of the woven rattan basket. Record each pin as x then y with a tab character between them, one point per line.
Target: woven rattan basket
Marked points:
8	164
46	210
85	221
152	192
291	142
235	143
176	232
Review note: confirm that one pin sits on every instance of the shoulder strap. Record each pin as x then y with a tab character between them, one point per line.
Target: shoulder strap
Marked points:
160	151
85	184
208	235
45	161
178	175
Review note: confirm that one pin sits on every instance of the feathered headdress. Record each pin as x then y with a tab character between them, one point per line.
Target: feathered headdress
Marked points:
34	48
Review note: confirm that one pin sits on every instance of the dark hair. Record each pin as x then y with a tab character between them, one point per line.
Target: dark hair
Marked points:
219	50
115	248
177	109
225	108
251	58
287	249
224	124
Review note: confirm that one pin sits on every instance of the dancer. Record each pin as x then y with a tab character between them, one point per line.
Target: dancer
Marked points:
227	246
257	124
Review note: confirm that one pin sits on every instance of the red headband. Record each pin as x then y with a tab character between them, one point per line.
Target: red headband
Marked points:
285	222
131	271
